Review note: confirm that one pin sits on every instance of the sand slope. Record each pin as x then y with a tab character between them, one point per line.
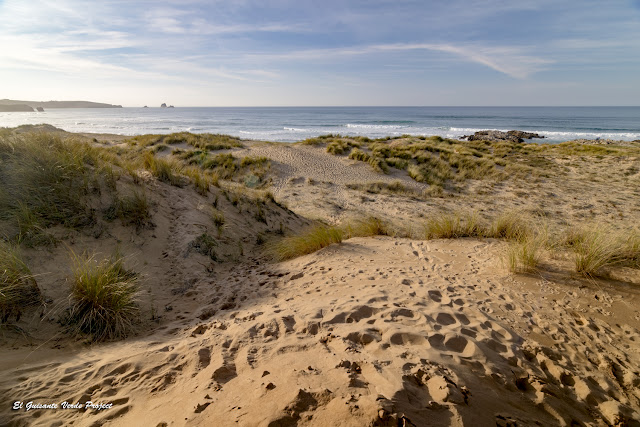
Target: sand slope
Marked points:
365	333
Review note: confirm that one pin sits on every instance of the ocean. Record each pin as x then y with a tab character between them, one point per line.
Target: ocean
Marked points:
289	124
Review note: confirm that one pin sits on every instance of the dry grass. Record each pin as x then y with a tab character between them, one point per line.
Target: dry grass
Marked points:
512	225
165	169
306	242
18	288
104	297
524	254
598	247
367	227
46	180
451	226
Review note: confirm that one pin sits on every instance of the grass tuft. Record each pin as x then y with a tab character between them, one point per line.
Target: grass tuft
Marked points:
448	226
104	297
46	180
367	227
307	242
524	255
131	210
165	169
18	288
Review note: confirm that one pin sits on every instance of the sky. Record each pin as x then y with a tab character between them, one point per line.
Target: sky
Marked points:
322	52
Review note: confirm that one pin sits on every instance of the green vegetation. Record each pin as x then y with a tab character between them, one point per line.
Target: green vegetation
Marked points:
205	245
166	170
226	166
18	288
104	297
598	247
218	220
202	141
131	210
46	181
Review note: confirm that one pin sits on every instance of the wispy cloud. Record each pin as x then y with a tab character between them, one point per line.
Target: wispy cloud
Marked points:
377	45
507	60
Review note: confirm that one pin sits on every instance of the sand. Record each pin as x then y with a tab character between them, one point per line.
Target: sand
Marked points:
376	331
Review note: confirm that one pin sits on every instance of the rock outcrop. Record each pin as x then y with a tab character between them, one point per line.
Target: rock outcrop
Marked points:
496	135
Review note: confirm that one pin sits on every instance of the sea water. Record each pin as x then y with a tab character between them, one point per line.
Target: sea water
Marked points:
290	124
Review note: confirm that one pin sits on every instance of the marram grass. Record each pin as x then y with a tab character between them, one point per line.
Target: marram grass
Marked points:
18	288
306	242
104	297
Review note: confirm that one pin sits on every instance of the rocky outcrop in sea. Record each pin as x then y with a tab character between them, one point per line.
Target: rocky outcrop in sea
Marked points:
496	135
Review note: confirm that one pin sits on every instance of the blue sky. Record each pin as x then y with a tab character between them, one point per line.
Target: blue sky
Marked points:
350	52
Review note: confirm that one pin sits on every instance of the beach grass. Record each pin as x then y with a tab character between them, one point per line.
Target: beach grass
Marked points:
367	227
452	226
203	141
306	242
166	170
133	209
47	180
524	254
18	287
104	297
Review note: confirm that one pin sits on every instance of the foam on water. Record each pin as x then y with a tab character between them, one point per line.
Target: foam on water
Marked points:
295	124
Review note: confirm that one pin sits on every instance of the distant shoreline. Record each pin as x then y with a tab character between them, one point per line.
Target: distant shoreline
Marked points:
7	104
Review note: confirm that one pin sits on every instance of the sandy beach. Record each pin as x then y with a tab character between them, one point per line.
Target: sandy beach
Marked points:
381	329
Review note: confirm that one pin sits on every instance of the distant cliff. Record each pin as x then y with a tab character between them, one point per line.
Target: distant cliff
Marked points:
14	107
55	104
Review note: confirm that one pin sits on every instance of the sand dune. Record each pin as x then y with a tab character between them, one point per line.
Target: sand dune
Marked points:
378	331
363	334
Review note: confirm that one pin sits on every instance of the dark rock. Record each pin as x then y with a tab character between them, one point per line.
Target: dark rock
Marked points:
496	135
163	105
40	109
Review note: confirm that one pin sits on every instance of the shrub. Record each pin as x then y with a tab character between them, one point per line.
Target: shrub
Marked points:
306	242
104	297
18	288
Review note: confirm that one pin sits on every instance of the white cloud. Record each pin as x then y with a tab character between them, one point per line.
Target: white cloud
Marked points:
506	60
